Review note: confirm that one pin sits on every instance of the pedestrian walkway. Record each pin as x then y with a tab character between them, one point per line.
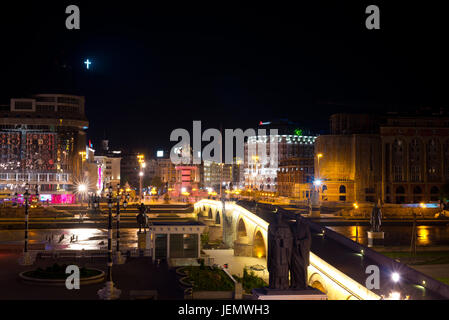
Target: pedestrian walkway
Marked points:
236	264
135	274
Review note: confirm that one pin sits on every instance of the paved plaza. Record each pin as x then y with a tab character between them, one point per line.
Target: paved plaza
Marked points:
135	274
236	264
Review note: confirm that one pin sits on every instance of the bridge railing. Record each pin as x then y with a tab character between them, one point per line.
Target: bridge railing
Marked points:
341	280
385	262
345	282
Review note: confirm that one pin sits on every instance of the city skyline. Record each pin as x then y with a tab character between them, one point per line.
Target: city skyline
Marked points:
258	64
223	151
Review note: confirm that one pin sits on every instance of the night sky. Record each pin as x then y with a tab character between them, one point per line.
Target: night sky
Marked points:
156	68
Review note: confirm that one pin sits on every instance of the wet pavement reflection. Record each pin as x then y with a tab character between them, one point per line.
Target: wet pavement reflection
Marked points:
71	239
399	235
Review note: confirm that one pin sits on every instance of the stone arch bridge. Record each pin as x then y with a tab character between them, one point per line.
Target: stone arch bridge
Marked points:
337	264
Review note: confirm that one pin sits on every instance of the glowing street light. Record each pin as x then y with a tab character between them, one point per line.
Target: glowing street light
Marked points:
317	182
82	188
395	277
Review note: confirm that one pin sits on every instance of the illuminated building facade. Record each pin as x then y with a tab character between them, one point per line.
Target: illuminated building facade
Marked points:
262	175
295	178
42	142
187	179
215	174
166	170
402	158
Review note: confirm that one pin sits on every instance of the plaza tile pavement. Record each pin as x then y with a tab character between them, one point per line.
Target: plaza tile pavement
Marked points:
235	263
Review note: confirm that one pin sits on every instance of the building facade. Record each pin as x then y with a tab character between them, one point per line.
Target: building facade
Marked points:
42	142
215	174
166	170
402	158
295	178
415	158
262	173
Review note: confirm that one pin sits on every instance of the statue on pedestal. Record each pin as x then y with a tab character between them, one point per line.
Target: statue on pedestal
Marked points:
280	243
376	217
142	218
302	240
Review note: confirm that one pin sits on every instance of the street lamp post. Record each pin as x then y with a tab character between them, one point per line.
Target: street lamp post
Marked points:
119	259
319	156
109	292
140	185
27	259
96	203
82	190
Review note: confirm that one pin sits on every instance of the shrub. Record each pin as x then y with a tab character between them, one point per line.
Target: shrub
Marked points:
209	279
250	281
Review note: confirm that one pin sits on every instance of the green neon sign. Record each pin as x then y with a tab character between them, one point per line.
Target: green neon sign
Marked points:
298	132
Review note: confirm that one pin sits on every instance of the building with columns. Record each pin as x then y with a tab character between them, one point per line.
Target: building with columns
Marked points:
398	158
42	142
415	158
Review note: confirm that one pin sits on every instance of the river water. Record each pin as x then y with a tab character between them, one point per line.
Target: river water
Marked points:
95	238
399	235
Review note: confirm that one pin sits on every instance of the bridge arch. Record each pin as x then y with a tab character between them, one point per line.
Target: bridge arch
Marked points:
316	281
218	217
259	244
209	214
242	233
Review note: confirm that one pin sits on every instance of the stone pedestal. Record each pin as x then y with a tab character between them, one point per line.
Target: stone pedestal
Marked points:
273	294
375	239
109	292
119	258
314	212
26	259
238	291
215	233
143	240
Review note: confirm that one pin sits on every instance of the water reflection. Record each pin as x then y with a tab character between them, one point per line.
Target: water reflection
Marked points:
71	239
399	235
423	235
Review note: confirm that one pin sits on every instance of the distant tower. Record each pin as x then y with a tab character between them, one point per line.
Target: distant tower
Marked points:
105	144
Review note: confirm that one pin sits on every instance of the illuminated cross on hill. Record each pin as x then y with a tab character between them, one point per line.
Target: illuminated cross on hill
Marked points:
87	63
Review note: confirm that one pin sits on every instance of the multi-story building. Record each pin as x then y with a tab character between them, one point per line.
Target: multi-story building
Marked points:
216	174
101	169
295	178
109	170
238	173
399	158
415	157
129	169
42	142
187	178
262	174
166	170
